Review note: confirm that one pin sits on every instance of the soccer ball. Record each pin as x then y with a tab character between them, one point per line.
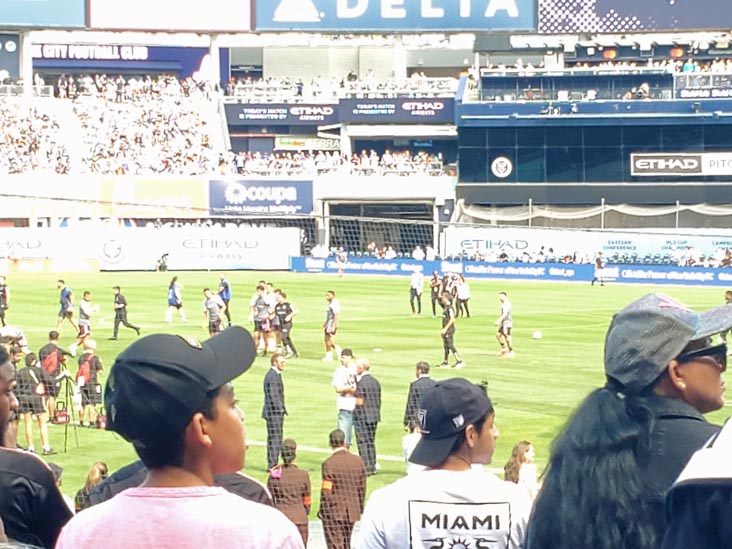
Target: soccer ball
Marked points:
536	335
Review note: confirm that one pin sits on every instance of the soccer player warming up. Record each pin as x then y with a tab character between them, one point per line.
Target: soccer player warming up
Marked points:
505	323
448	332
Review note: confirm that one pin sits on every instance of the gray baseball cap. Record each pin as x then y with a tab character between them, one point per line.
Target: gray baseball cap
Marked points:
648	334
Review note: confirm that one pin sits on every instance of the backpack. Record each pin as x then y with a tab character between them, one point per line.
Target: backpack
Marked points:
83	375
50	362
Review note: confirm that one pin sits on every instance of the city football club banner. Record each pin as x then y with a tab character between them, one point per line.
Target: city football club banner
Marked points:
395	15
260	196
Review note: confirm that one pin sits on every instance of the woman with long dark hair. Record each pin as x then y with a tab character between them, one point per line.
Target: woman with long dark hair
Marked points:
612	465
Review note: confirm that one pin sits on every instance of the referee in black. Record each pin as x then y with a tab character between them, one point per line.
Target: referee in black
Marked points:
120	312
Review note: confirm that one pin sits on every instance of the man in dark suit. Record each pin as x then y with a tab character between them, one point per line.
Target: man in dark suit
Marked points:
274	410
367	414
416	389
342	492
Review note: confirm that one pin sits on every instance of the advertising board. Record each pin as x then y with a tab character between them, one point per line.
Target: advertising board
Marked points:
261	196
395	15
284	114
618	16
402	110
43	13
171	15
680	164
487	241
622	274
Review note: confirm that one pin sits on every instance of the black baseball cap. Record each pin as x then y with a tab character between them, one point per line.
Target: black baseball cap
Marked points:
445	410
159	382
646	335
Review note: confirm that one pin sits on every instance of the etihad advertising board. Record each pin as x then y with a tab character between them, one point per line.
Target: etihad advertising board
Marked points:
680	164
43	13
282	114
173	15
433	110
395	15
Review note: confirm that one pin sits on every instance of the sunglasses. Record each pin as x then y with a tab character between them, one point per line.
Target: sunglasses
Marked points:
717	352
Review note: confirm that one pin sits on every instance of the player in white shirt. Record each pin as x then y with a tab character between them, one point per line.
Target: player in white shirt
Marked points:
416	284
450	504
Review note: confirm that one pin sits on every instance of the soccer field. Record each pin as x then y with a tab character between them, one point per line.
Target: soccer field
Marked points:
533	393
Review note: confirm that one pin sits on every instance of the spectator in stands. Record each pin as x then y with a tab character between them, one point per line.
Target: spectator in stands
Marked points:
458	429
97	473
611	468
172	398
521	469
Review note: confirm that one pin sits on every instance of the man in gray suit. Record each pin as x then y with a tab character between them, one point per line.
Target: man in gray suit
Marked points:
274	410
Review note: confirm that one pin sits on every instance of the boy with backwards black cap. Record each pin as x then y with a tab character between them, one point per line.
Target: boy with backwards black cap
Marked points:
450	503
171	397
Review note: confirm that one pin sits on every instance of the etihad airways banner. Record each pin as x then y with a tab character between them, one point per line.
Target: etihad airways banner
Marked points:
488	241
395	15
680	164
139	249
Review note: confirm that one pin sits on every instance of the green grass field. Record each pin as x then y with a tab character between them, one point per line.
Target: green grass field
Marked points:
533	393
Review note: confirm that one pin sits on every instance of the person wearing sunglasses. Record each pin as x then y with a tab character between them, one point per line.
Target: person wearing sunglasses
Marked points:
623	448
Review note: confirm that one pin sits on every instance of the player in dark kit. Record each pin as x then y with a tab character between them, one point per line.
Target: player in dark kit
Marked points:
448	332
599	266
435	288
120	312
4	299
285	313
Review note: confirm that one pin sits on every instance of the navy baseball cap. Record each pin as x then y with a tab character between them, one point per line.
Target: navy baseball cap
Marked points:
445	410
648	334
159	382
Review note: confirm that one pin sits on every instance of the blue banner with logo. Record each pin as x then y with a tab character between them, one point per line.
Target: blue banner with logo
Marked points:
239	196
401	110
43	13
624	274
284	114
395	15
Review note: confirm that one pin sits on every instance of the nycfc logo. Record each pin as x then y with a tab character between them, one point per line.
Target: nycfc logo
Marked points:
238	193
502	167
112	251
422	418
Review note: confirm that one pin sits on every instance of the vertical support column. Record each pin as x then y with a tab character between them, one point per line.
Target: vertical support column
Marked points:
678	208
400	60
602	214
436	229
26	63
326	224
531	211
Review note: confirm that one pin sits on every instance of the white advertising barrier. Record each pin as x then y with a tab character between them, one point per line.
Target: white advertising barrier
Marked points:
122	249
456	241
199	248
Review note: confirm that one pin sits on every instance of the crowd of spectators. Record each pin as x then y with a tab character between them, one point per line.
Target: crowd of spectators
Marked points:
322	89
143	126
367	163
30	139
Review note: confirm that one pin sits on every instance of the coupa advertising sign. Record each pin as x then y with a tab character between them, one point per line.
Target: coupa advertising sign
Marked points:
238	196
299	114
433	110
395	15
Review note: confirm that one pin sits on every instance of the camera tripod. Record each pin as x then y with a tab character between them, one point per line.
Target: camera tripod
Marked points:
66	380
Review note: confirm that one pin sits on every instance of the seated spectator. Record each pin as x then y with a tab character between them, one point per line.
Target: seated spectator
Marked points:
611	467
97	473
521	469
172	399
458	430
